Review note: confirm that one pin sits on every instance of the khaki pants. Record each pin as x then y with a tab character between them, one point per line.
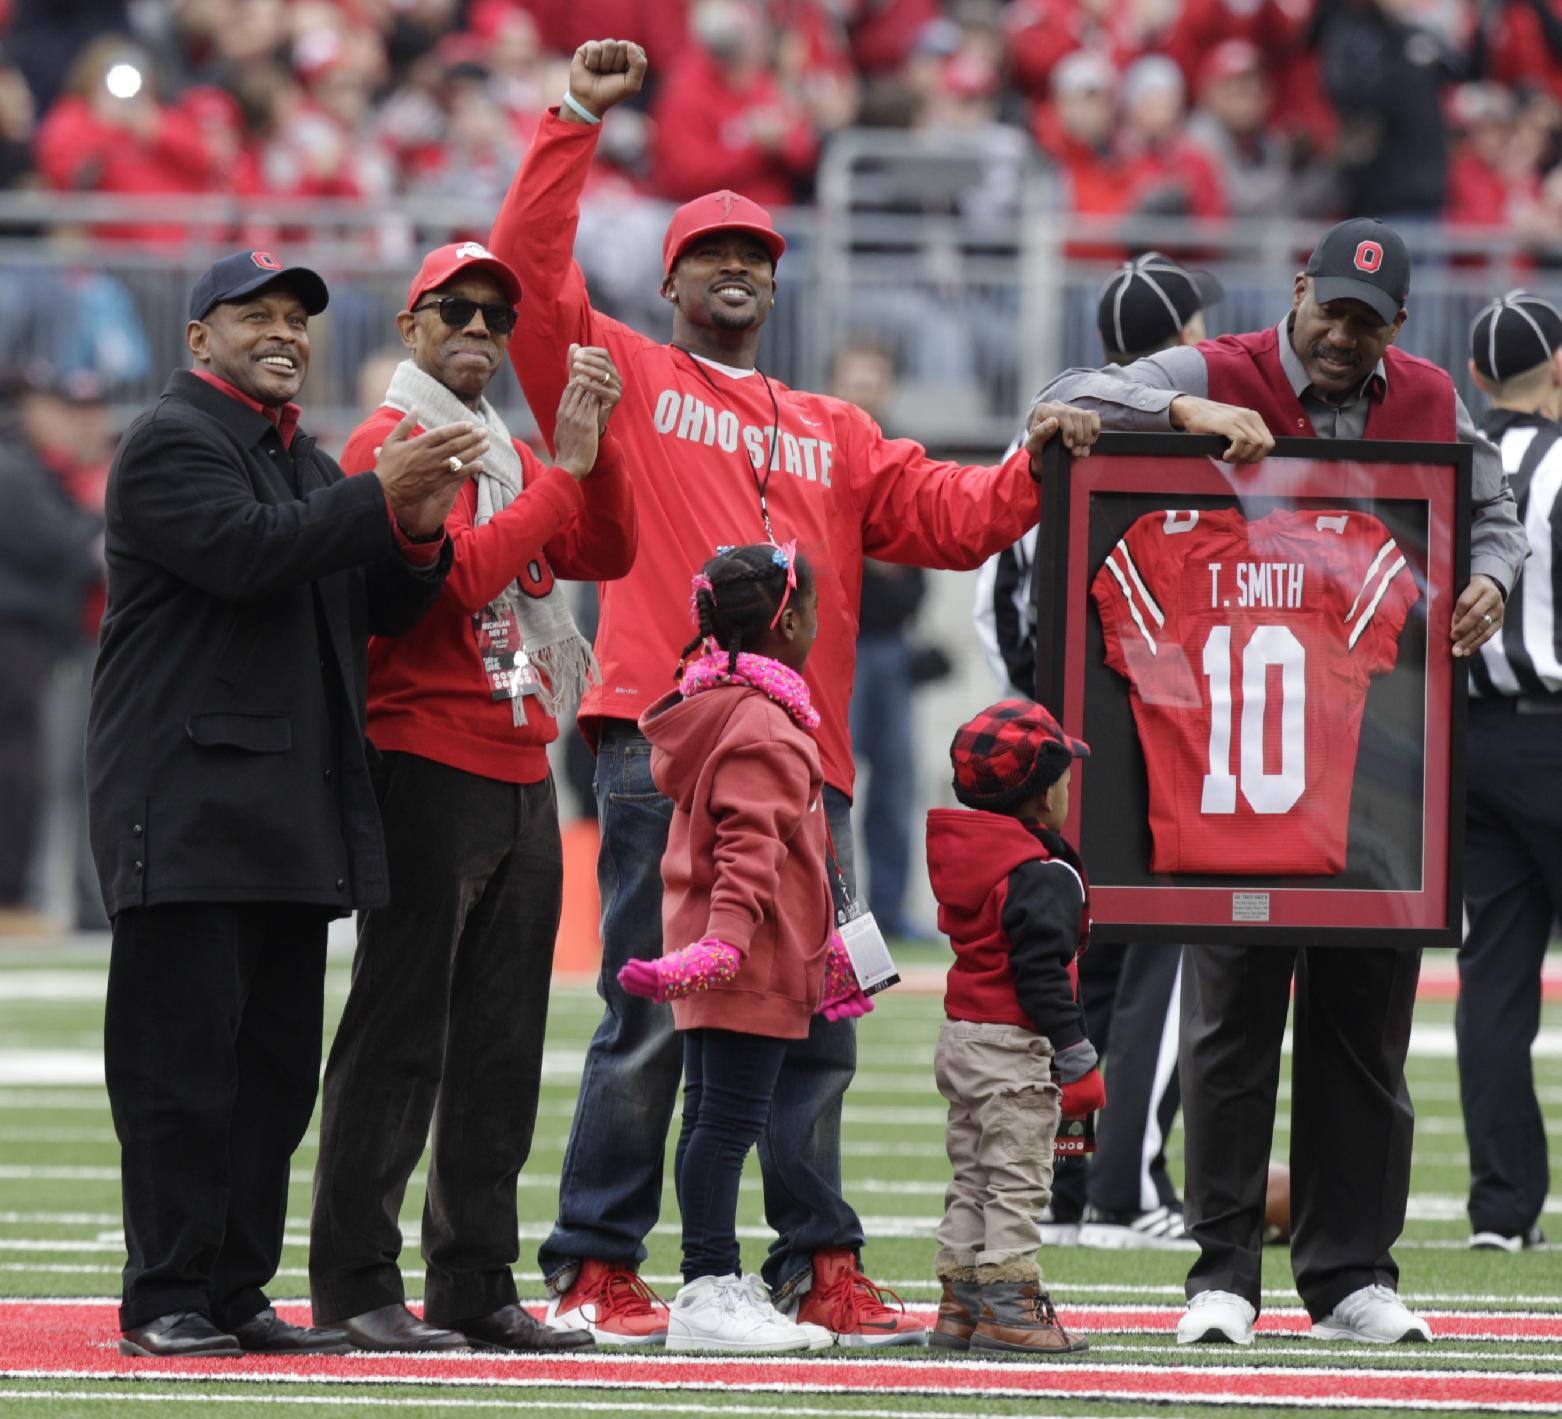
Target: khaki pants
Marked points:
1004	1111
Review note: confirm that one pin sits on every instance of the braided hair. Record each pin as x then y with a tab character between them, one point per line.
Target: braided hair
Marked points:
736	596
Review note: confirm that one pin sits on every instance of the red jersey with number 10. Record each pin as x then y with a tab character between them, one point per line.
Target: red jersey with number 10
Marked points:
1249	647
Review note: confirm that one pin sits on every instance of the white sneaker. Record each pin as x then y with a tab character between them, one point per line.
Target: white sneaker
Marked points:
818	1337
1532	1240
1160	1229
1216	1318
1374	1315
724	1313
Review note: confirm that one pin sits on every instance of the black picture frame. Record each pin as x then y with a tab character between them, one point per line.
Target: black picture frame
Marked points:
1401	882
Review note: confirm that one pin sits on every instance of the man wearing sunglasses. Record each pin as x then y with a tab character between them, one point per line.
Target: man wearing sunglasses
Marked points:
444	1022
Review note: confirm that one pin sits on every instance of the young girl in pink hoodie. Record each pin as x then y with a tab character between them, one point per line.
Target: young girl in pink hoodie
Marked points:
745	881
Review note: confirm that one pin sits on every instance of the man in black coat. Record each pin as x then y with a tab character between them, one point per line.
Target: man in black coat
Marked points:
229	795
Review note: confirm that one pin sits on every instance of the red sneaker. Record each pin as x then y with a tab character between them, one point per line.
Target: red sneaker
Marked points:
613	1303
852	1308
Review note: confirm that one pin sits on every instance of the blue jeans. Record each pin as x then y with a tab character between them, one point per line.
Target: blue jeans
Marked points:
610	1187
882	734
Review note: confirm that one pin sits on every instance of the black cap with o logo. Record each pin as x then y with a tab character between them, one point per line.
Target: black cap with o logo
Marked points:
1364	260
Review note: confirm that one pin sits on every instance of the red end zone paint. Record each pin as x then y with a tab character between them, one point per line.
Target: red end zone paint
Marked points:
81	1342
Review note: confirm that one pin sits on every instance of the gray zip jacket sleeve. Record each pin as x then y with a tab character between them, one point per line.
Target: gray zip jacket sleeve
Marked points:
1137	398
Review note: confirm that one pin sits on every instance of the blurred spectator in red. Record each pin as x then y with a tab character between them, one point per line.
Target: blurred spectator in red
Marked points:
46	37
1263	172
1494	174
479	147
814	61
660	26
50	560
722	117
1168	175
325	144
1076	130
883	34
1524	44
111	134
527	79
17	116
1042	32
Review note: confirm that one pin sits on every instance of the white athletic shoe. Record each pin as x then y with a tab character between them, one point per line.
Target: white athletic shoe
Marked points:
1055	1233
1532	1240
1216	1318
1374	1315
818	1337
725	1313
1160	1229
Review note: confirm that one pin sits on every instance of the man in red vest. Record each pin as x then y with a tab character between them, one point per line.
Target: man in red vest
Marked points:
1329	369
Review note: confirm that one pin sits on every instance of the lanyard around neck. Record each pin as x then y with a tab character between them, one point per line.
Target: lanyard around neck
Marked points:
761	485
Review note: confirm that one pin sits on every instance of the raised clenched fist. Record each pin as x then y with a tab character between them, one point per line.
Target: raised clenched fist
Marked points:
604	72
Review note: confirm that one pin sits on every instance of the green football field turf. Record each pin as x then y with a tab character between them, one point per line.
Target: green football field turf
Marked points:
59	1221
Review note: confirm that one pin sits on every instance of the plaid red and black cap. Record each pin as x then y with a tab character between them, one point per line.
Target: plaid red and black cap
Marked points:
1008	753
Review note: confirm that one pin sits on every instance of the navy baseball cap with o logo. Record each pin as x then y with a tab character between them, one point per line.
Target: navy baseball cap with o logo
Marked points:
1364	260
246	272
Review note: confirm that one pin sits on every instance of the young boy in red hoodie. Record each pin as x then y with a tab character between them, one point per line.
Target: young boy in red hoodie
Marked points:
1014	903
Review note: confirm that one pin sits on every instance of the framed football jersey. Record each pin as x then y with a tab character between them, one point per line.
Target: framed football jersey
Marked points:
1259	658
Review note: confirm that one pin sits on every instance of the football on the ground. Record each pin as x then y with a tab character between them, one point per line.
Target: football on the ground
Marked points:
1277	1205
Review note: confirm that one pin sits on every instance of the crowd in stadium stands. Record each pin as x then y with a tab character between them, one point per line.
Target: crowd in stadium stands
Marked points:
1414	109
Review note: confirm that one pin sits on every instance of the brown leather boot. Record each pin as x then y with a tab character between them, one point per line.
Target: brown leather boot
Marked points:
1017	1317
957	1312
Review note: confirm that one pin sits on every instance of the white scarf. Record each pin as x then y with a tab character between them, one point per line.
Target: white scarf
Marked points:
553	644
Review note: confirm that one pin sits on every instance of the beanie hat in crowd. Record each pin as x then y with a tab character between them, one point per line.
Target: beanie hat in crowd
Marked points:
1011	751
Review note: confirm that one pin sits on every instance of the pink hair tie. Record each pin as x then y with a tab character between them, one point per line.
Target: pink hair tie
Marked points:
785	556
698	583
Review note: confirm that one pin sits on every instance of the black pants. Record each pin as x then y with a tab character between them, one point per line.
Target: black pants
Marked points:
1351	1119
26	664
1513	892
728	1082
212	1055
444	1023
1130	1000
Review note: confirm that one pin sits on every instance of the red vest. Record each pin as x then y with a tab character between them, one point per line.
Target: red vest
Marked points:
1245	370
970	857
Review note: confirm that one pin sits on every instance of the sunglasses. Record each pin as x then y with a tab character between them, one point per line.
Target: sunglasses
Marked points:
457	313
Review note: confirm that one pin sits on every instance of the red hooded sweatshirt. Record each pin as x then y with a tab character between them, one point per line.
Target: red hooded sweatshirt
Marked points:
1013	901
692	434
745	858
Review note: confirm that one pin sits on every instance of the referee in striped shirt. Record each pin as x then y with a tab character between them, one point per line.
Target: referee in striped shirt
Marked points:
1513	821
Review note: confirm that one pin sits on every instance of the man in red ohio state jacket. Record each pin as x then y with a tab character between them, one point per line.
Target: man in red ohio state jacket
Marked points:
719	453
445	1019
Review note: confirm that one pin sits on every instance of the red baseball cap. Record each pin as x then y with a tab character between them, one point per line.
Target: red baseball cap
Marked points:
445	262
722	211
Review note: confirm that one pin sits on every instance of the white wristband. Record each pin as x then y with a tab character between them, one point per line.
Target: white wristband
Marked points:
580	109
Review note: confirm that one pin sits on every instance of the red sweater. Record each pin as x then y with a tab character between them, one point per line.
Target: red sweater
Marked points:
1245	370
428	692
745	858
691	433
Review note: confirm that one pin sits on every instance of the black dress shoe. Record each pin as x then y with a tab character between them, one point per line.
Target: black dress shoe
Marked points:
178	1333
394	1327
512	1328
266	1333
